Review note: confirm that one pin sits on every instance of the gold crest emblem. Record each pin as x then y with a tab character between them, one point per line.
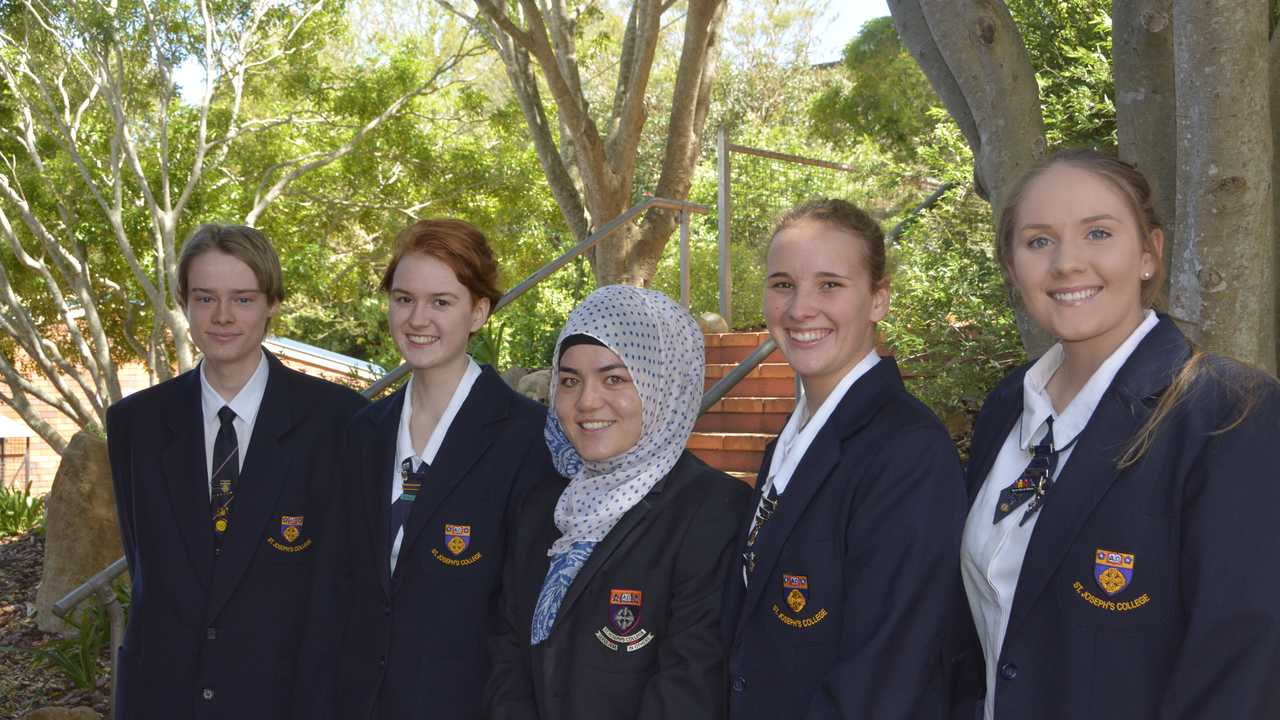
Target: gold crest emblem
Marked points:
795	601
457	545
291	534
1112	581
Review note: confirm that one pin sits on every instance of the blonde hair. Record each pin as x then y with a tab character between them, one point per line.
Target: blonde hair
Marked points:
245	244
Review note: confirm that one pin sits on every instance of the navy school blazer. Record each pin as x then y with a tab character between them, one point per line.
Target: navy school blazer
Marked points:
226	636
855	577
1194	527
637	634
415	642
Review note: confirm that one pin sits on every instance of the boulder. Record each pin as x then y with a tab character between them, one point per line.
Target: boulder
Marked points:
513	375
536	385
63	713
712	323
81	535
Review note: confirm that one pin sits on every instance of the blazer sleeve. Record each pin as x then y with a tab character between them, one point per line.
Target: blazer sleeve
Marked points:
509	692
690	679
1229	659
902	543
120	458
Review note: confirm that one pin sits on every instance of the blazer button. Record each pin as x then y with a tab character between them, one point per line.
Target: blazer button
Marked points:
386	609
382	661
211	633
207	694
739	683
1008	671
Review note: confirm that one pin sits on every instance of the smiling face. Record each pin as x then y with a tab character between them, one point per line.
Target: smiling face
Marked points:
431	314
1078	259
820	304
597	403
227	311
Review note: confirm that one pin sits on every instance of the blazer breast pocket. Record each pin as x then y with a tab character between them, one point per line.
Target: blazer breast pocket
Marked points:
289	536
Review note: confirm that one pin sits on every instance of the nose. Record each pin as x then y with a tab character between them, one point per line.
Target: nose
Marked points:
1066	258
418	317
222	312
589	397
802	305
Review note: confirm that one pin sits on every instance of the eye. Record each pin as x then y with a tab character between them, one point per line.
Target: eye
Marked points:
441	303
244	300
1039	242
404	300
1098	234
569	381
616	380
830	285
781	285
205	299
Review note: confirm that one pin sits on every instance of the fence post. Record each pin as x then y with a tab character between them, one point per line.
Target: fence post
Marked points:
684	259
723	211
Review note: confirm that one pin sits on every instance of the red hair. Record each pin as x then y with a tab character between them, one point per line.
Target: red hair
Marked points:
457	244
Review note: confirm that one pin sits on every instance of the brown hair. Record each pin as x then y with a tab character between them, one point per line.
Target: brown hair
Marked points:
457	244
244	243
842	215
1122	177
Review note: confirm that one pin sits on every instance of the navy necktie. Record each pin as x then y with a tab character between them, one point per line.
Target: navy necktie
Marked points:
411	485
1035	481
226	471
768	505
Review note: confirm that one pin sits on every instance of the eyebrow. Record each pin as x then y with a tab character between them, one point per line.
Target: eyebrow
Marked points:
208	291
822	274
402	291
1090	219
602	369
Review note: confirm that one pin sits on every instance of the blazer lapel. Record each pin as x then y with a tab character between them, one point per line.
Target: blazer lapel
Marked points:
183	465
1091	470
468	437
380	453
855	410
262	478
623	534
1005	415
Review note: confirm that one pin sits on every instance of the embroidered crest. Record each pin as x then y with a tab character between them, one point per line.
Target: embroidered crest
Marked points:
220	519
624	609
457	538
624	617
1113	570
290	527
798	586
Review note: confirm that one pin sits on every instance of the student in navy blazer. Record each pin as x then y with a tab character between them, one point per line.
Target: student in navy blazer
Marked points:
1135	577
224	617
839	602
424	572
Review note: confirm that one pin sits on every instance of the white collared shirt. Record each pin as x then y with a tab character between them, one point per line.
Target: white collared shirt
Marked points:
991	554
798	434
404	442
245	405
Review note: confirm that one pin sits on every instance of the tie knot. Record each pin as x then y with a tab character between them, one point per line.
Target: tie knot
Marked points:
226	414
407	471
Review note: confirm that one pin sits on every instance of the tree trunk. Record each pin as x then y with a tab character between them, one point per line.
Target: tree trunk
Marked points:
1273	65
1146	112
974	57
1224	177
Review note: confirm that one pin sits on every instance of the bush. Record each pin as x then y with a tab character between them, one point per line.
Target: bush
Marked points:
19	511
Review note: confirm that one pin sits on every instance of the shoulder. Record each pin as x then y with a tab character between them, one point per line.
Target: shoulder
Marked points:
323	391
692	483
147	401
1232	395
905	426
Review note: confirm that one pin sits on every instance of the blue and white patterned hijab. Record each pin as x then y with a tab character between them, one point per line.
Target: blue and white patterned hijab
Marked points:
661	345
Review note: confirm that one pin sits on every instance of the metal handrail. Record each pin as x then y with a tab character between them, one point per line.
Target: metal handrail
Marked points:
726	383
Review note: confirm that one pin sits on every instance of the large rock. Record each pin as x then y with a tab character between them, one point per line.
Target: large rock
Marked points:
513	375
82	536
712	323
63	713
537	385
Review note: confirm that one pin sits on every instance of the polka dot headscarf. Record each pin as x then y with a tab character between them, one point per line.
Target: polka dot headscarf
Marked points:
661	345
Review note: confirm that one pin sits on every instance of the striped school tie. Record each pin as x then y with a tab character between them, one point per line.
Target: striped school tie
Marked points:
226	471
411	485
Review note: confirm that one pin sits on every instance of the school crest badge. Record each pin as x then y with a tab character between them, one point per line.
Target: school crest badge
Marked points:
623	631
797	589
290	527
457	538
624	609
1113	570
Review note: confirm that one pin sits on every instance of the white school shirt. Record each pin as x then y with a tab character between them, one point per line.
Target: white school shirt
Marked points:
991	554
800	430
404	443
245	405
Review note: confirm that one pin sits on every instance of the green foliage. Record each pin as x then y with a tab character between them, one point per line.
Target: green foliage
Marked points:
79	656
19	511
881	95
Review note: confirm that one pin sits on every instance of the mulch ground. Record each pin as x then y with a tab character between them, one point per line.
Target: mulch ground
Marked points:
25	683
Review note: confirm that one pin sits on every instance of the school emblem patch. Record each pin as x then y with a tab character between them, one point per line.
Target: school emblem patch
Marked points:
797	587
623	632
290	527
624	609
1113	570
457	538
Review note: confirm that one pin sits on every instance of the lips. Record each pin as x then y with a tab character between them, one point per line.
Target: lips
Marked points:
807	336
595	425
422	339
1074	295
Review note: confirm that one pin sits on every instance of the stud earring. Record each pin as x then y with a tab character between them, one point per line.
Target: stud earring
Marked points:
1146	276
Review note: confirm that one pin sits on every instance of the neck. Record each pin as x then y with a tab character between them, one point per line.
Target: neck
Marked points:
227	379
818	389
433	387
1080	360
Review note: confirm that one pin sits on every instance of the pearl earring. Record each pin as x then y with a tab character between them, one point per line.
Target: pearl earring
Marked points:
1146	276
